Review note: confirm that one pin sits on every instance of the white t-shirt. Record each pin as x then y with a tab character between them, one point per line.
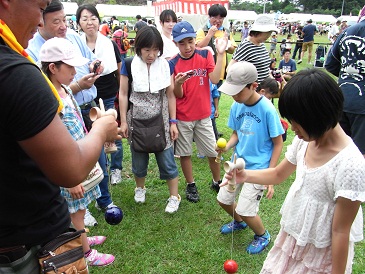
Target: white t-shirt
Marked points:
169	47
308	209
334	30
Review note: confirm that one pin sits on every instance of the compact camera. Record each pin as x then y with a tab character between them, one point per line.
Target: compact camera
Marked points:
96	67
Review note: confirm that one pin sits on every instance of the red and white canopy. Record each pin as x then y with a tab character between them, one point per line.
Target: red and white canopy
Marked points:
188	6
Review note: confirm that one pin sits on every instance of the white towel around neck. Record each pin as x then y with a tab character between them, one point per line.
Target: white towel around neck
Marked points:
159	75
104	51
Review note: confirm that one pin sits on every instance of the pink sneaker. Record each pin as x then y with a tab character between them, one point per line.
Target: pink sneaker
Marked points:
96	240
99	259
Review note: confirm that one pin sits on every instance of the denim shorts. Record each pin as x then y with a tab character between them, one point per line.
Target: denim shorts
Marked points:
165	161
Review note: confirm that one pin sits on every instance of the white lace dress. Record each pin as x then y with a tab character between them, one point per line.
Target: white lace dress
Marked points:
303	244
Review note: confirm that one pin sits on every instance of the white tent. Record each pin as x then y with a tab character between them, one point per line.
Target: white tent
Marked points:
351	20
198	7
241	15
123	10
70	8
303	17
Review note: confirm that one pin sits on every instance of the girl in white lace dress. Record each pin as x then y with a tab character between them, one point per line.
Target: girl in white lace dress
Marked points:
321	214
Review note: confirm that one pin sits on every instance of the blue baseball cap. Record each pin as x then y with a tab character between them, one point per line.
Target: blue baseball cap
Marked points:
182	30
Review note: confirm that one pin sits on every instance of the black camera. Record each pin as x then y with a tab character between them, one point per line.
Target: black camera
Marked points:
276	73
96	67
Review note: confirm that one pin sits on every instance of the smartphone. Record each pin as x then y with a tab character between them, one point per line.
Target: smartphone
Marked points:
96	67
189	72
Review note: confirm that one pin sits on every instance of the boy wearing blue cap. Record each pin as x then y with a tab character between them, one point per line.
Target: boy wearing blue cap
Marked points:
193	68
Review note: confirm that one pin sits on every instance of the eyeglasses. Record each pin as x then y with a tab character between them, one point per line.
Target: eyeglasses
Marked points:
217	18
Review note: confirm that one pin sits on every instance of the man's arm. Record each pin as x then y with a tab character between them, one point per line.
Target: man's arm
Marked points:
333	63
71	160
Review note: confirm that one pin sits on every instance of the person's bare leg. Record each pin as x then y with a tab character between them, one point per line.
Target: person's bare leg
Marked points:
173	186
187	168
255	223
77	220
230	209
140	182
215	169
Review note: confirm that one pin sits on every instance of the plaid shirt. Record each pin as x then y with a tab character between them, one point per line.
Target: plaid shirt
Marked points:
71	116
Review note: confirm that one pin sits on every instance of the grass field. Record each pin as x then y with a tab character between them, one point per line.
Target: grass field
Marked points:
148	240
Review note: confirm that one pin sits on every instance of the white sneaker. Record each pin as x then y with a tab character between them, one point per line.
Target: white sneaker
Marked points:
115	176
173	204
140	195
103	208
89	220
299	61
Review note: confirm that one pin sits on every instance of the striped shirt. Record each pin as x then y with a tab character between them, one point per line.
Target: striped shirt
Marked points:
257	55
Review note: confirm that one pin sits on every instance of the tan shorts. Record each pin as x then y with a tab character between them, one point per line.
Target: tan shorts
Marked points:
308	45
201	131
248	201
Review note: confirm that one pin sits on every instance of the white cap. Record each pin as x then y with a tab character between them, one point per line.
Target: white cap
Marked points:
60	49
239	75
264	23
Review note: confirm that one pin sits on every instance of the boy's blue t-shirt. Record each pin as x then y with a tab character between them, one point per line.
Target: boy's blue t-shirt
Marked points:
255	126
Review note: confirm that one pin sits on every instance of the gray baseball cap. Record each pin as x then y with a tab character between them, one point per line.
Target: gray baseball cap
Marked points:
239	75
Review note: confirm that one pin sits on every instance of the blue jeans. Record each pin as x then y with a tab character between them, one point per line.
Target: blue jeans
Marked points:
165	161
104	200
297	47
116	157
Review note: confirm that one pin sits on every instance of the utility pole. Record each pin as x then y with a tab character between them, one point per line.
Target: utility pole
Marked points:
343	3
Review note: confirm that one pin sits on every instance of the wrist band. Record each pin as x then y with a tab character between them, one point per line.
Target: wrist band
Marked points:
77	83
173	121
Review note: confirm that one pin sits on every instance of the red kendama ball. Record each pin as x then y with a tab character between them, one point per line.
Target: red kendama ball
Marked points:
230	266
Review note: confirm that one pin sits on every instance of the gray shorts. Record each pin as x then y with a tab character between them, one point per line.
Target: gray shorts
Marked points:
201	131
248	200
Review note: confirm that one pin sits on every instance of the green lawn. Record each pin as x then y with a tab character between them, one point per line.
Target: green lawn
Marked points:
148	240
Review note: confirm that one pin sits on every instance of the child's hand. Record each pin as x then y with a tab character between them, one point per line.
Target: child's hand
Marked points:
220	149
221	44
270	191
181	77
174	132
240	177
77	192
216	114
123	129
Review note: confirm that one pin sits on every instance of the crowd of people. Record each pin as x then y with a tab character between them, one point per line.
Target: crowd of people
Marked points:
170	73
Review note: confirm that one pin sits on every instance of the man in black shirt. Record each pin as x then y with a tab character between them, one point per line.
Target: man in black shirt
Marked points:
33	163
